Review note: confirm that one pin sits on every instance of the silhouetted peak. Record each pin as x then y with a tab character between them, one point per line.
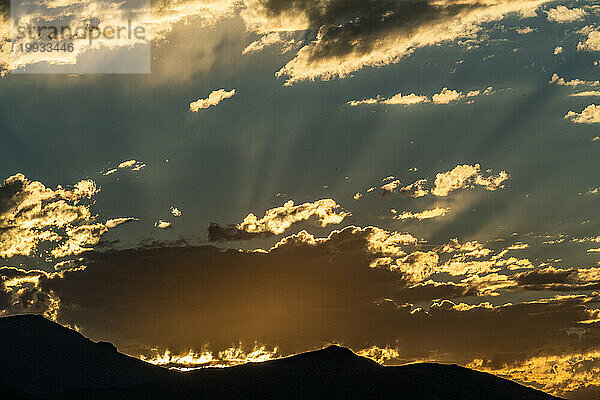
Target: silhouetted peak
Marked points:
108	346
39	355
25	318
26	327
333	356
38	326
336	351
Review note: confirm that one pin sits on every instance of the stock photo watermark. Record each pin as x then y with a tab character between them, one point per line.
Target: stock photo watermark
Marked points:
90	36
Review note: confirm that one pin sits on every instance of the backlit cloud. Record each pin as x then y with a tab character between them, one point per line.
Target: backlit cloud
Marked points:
445	96
398	98
214	98
31	213
265	41
558	374
114	222
466	176
592	42
587	93
589	115
354	284
277	220
357	35
435	212
61	218
562	14
556	79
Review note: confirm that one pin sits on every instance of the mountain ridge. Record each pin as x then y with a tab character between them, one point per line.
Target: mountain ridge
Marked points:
42	360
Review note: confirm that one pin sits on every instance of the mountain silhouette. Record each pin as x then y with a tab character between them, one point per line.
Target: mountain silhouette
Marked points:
40	359
39	356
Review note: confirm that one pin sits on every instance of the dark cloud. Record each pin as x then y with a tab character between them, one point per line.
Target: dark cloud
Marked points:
220	233
561	280
350	34
433	291
301	294
544	276
354	26
19	292
8	191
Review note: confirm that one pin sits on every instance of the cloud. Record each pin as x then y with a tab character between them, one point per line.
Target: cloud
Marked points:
277	220
214	98
265	41
357	287
436	212
466	176
565	280
415	189
157	20
161	224
446	96
20	293
297	296
31	213
166	15
592	43
132	165
398	98
562	14
590	115
350	36
558	374
234	355
391	187
557	80
114	222
558	50
127	164
525	30
461	177
586	93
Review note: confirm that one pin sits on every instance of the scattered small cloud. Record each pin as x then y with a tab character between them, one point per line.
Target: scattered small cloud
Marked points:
162	224
109	172
590	115
265	41
427	214
445	96
558	50
391	187
175	211
586	93
525	30
592	42
562	14
134	165
214	98
557	80
277	220
114	222
465	176
415	189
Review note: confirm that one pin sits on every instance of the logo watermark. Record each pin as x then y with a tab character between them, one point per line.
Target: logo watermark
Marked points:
84	36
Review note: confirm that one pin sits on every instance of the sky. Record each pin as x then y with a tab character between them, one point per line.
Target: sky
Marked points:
416	180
